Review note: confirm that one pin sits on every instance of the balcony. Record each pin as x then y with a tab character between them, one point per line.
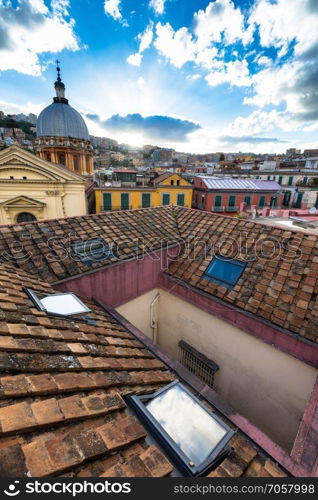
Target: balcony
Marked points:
225	209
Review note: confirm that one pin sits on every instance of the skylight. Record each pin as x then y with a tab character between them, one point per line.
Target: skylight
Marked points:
94	250
61	304
224	271
192	435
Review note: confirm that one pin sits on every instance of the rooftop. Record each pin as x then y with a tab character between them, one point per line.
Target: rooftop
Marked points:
239	184
279	283
62	387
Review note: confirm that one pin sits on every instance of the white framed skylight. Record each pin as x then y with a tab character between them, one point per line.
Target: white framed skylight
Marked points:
60	304
194	437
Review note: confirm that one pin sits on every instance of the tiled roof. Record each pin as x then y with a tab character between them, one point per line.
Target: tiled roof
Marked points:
281	288
44	248
62	384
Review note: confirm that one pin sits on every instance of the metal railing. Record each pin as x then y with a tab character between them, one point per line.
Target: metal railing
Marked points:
198	364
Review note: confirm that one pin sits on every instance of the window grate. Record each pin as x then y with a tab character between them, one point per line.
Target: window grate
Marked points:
198	364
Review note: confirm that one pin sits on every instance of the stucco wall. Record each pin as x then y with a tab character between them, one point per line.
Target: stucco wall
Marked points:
137	311
264	384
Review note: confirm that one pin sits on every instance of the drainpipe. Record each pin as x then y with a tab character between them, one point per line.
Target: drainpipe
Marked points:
154	319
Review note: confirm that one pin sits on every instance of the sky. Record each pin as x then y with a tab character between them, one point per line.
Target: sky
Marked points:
198	76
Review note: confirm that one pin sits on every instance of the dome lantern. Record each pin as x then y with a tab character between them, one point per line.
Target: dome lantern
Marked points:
59	86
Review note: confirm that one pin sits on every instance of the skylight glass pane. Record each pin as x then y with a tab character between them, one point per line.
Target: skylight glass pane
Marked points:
92	250
225	270
193	429
64	303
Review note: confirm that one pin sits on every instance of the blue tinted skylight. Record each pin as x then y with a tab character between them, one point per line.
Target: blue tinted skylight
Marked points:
91	251
224	271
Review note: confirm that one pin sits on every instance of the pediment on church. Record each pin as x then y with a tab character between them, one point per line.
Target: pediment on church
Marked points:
18	163
22	202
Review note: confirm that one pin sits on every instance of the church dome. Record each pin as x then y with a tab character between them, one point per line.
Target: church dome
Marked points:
61	120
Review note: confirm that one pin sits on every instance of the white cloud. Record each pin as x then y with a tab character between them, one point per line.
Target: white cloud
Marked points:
146	38
158	6
32	29
285	21
264	61
141	83
134	59
145	41
260	121
220	20
193	77
112	8
233	72
26	107
176	46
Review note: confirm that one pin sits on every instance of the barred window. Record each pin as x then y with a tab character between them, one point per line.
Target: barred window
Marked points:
198	364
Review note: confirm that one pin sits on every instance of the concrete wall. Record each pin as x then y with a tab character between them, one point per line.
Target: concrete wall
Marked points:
264	384
137	311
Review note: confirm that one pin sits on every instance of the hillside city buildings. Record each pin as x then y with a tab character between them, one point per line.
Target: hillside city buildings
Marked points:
158	312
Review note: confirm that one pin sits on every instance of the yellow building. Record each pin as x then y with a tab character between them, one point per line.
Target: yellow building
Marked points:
167	189
34	189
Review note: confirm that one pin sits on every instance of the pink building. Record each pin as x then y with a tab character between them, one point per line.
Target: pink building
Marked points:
227	194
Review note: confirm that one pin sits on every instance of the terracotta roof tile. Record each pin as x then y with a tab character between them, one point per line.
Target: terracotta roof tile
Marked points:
62	389
281	287
44	248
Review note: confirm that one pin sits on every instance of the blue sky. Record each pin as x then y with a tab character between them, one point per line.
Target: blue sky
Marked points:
199	76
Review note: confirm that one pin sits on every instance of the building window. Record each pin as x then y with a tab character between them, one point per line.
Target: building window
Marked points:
61	158
247	200
145	200
224	271
195	441
124	201
299	200
76	163
290	181
166	199
107	201
268	177
232	201
217	203
25	217
261	202
172	182
198	364
280	179
178	183
90	251
287	197
305	179
180	200
48	156
88	164
273	203
60	304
